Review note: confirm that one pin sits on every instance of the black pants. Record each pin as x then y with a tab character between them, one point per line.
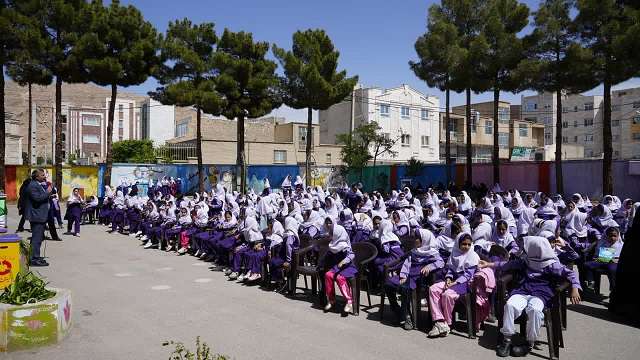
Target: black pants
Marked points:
21	223
37	235
51	224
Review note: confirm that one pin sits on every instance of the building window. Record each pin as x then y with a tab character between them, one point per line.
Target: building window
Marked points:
588	106
636	104
565	109
91	120
615	122
575	123
279	156
64	118
404	111
424	141
181	129
531	106
424	114
589	153
328	159
548	138
575	108
405	140
63	137
565	124
302	137
121	111
636	136
565	140
121	124
548	120
588	137
91	139
488	127
575	139
503	140
384	110
588	122
636	119
386	135
504	115
120	138
475	115
523	130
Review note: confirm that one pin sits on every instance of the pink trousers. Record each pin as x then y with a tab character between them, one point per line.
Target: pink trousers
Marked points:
342	285
184	239
441	302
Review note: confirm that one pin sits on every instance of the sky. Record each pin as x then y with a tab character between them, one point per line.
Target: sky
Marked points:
375	37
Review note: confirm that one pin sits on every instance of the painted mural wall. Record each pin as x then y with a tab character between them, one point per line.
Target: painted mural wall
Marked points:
328	177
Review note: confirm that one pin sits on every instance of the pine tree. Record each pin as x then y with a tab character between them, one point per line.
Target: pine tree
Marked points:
311	79
505	19
556	63
603	26
248	84
119	49
188	75
439	55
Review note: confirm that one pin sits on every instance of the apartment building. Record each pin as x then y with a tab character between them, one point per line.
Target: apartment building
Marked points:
513	132
402	112
582	121
84	117
268	140
157	121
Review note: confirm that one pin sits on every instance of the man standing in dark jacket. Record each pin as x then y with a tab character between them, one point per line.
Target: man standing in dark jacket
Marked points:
21	204
37	212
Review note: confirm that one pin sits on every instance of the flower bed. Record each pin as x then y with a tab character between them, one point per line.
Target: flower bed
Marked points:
35	324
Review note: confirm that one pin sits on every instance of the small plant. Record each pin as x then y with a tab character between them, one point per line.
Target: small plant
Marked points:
26	288
203	352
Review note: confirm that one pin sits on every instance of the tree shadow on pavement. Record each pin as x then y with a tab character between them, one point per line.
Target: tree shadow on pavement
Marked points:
602	314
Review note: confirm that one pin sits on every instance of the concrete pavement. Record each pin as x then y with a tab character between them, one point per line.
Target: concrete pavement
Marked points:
127	301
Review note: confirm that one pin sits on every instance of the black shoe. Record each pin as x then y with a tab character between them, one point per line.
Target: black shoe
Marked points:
39	262
19	230
408	323
55	239
504	348
68	233
520	350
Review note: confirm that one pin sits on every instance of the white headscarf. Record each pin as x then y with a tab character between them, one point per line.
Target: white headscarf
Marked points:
277	234
339	240
539	253
459	261
291	226
385	232
428	242
466	204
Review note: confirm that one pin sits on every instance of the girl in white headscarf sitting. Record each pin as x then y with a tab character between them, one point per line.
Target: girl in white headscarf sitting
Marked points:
363	225
280	252
461	267
339	263
388	244
423	260
540	272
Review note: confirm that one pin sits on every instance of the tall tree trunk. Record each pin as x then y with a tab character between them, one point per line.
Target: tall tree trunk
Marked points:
199	149
447	137
558	160
2	130
469	181
607	176
240	171
110	116
307	166
496	138
59	158
29	144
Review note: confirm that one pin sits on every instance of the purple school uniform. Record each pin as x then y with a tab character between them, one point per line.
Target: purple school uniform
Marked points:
359	234
73	217
387	253
282	253
539	284
412	266
331	261
461	279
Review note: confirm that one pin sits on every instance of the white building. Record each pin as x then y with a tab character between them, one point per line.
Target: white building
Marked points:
403	113
157	121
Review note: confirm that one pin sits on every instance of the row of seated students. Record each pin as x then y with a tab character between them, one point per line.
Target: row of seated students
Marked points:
542	238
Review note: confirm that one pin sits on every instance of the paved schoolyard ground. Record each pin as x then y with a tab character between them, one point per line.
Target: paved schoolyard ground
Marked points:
127	301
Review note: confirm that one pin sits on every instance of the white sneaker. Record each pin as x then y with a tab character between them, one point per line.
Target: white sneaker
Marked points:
139	233
132	235
348	308
197	254
243	277
254	277
170	248
226	271
423	302
204	254
182	251
150	245
328	306
144	238
233	275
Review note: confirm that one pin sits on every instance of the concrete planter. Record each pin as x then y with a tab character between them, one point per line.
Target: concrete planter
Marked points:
33	325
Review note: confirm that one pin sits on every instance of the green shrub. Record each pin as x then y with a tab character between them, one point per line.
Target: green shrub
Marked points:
203	352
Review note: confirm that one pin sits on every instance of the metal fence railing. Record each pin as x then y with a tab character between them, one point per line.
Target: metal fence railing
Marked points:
176	152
